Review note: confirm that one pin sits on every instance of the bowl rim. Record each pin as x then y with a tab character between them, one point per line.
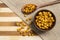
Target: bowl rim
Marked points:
37	14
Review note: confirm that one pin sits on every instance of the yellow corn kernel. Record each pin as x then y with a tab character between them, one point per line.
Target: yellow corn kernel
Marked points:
45	26
40	13
49	14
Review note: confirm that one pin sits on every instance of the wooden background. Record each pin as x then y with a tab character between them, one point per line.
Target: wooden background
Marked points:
8	28
54	34
7	21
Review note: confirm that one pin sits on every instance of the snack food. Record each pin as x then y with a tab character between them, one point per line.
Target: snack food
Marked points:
45	19
28	8
24	30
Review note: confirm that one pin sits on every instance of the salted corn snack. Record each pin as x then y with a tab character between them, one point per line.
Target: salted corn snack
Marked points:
28	8
44	20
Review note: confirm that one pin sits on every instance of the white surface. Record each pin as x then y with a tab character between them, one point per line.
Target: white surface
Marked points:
1	2
10	19
8	28
19	38
5	10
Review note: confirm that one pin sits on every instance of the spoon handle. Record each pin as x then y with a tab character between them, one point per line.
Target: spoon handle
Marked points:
48	4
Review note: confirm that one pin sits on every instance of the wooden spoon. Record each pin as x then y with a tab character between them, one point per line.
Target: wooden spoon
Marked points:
48	4
29	10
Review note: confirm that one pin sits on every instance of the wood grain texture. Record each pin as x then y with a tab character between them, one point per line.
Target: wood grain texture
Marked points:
8	24
7	14
2	5
17	5
9	33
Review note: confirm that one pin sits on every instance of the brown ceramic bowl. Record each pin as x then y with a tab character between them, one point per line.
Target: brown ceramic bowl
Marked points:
39	29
